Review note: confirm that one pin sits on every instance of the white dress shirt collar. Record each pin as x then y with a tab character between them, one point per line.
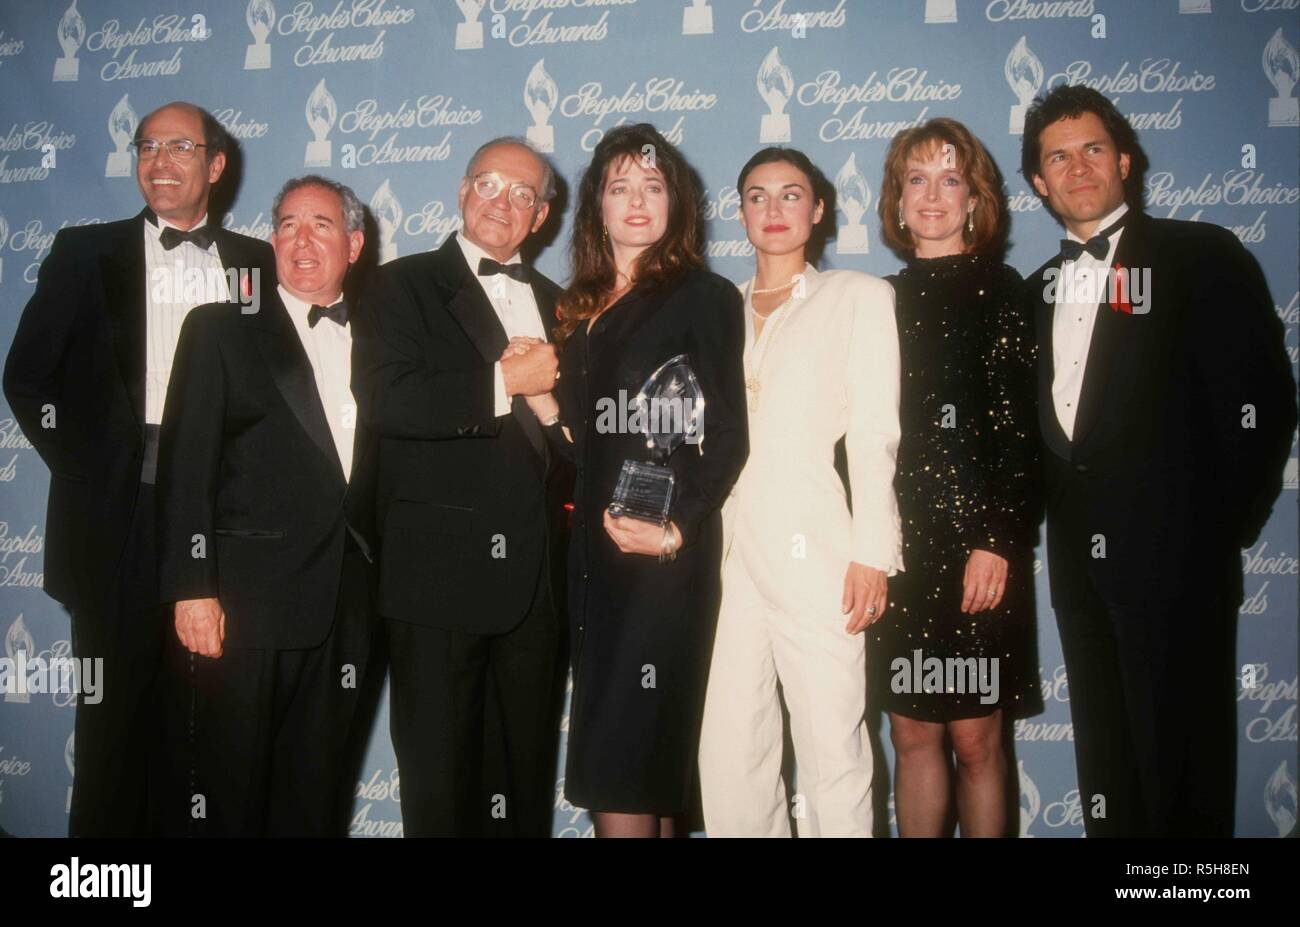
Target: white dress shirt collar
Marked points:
473	254
1105	223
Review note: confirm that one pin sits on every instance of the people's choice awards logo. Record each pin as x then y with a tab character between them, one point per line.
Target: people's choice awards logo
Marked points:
18	640
1024	74
469	34
71	33
1194	6
69	754
1282	66
697	19
4	238
388	216
1280	800
940	11
1031	802
122	122
321	113
775	86
853	196
260	16
540	95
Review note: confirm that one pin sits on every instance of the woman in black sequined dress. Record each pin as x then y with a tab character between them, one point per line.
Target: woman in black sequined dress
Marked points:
954	655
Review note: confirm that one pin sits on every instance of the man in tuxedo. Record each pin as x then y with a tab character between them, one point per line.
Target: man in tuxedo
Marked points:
1167	406
468	530
265	542
86	377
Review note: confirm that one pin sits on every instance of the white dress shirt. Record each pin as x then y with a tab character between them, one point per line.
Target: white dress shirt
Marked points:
514	305
175	282
1073	322
329	348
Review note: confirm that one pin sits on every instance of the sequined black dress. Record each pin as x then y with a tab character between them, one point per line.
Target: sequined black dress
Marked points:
967	478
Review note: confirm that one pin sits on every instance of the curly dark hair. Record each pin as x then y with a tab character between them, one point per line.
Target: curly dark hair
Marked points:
1070	102
679	251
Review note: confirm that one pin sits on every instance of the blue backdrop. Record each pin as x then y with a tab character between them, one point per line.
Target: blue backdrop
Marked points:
391	97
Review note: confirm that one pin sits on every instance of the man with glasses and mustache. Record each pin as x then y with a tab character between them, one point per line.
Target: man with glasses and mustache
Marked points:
86	377
469	507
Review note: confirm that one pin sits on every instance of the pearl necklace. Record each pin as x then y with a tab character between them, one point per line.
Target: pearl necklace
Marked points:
754	383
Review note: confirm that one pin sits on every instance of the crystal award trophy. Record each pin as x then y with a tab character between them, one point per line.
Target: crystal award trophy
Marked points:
669	411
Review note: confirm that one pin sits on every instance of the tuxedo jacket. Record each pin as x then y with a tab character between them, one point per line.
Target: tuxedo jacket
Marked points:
79	355
1160	469
462	499
248	469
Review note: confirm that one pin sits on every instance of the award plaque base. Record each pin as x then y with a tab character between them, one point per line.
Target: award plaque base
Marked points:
644	491
1017	126
257	57
1284	111
66	68
542	137
775	127
851	239
469	35
319	154
941	11
119	164
697	21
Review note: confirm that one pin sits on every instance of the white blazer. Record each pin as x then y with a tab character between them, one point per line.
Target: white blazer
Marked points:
827	366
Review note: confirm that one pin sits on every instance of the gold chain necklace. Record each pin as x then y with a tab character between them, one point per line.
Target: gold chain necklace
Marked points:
754	382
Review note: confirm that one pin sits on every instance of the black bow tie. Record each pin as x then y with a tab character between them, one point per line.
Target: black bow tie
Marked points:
337	313
1098	245
487	267
200	237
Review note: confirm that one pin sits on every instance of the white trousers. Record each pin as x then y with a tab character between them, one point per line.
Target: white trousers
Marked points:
821	671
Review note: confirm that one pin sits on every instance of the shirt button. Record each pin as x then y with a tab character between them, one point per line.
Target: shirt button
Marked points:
1082	468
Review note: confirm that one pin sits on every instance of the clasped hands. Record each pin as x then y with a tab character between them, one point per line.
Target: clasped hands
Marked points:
530	367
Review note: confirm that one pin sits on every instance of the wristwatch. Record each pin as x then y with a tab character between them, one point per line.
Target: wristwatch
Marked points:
553	420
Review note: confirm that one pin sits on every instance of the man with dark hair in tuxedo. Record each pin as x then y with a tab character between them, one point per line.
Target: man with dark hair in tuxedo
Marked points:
265	542
467	508
1167	407
86	377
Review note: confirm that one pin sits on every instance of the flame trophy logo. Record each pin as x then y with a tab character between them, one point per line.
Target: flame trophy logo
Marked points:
775	86
1194	6
1031	802
4	237
121	126
1282	66
71	33
19	640
1291	471
469	34
540	95
941	11
260	17
1280	799
697	19
321	113
1025	75
388	215
68	756
853	196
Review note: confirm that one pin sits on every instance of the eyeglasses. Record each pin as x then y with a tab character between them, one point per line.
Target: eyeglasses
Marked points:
488	184
180	150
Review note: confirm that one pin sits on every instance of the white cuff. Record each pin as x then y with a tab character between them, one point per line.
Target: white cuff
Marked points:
501	400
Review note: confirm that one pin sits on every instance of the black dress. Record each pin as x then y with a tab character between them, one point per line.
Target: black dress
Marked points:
641	632
967	478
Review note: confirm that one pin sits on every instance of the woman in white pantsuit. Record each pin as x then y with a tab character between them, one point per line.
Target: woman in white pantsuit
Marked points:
802	577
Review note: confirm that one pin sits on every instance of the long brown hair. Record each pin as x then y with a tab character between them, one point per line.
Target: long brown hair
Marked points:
976	166
592	256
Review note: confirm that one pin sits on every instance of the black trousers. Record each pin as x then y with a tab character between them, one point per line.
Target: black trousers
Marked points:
258	740
114	735
1153	701
474	725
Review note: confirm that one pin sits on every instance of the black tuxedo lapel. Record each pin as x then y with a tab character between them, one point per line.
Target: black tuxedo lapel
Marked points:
1105	334
287	362
469	304
1044	316
122	273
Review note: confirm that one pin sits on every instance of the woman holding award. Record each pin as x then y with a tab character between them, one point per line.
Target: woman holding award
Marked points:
642	317
802	576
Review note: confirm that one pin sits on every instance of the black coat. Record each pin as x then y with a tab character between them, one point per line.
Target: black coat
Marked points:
462	502
1160	464
633	737
247	462
80	348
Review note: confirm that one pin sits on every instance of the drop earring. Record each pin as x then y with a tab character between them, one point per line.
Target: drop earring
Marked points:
901	223
970	221
604	233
